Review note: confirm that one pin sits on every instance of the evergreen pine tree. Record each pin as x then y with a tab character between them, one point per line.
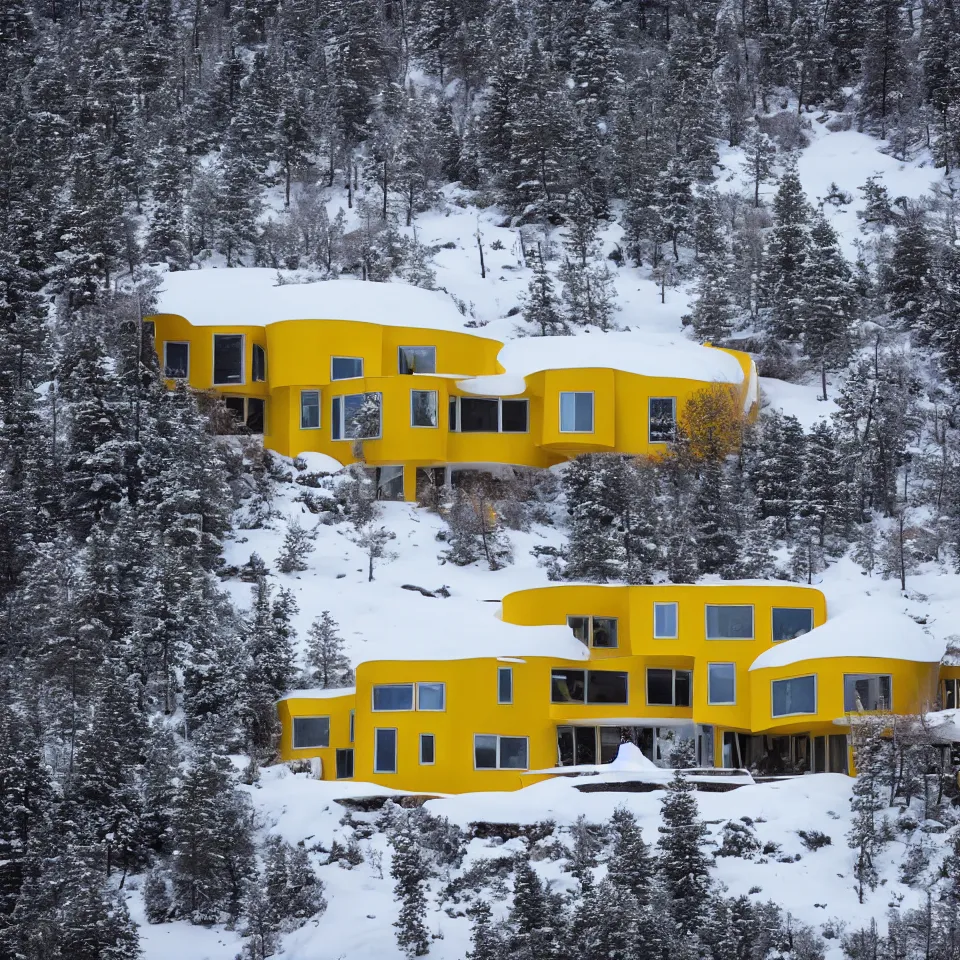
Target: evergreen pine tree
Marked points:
630	866
295	549
328	665
866	835
409	872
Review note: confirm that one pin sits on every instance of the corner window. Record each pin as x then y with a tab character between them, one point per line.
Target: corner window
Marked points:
790	622
344	764
227	358
176	360
504	685
417	360
259	365
662	420
385	750
311	732
393	696
594	631
356	416
431	696
576	412
346	368
867	691
423	408
309	409
514	416
665	621
951	694
793	696
427	749
491	752
721	683
668	688
729	622
588	686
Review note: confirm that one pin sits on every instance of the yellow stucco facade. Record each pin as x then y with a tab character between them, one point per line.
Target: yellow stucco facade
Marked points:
663	666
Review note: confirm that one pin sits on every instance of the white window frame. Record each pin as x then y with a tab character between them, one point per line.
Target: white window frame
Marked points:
432	683
650	400
773	611
312	746
510	433
319	394
376	750
338	356
253	353
179	343
593	411
417	346
673	688
816	696
243	361
721	703
676	619
424	426
413	698
427	763
591	617
509	672
343	416
586	701
499	737
753	623
886	709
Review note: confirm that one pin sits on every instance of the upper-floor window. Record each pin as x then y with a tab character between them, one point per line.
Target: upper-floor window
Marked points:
346	368
227	358
504	684
423	408
176	360
311	732
790	622
309	409
729	622
488	415
393	696
663	419
721	683
794	696
576	412
259	365
491	752
669	688
417	359
665	621
594	631
431	696
867	691
356	416
588	686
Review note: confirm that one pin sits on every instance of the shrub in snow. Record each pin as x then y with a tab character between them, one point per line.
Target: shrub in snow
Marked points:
814	839
739	840
586	839
157	902
295	549
915	862
409	872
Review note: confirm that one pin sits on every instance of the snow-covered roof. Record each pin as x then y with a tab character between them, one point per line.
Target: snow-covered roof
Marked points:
251	297
873	627
320	693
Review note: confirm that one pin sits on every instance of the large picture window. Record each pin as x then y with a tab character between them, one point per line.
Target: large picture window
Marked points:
665	621
790	622
385	750
346	368
793	696
309	409
867	691
576	412
227	358
588	686
417	360
594	631
491	752
668	688
722	683
663	419
423	408
356	416
729	622
311	732
393	696
488	415
176	360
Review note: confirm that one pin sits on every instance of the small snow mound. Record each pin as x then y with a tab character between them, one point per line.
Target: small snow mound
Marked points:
630	757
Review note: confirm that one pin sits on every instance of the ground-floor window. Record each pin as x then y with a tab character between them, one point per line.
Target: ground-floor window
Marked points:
951	694
600	743
784	755
492	752
247	411
344	764
309	732
387	481
427	749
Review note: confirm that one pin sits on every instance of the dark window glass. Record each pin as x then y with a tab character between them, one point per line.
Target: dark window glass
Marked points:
311	732
255	407
504	685
796	695
789	623
236	406
426	748
259	363
609	743
605	686
485	752
513	416
865	691
418	360
581	629
227	358
176	360
397	696
681	686
567	686
478	415
385	751
585	739
513	753
662	419
346	368
564	746
721	683
819	754
335	429
729	622
344	764
389	481
659	687
452	411
604	632
838	753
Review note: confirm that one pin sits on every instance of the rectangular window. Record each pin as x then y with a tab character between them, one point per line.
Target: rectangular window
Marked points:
227	358
356	416
668	688
790	622
256	411
867	691
393	696
176	360
309	409
344	764
431	696
728	622
793	696
311	732
427	745
576	412
594	631
389	482
423	408
259	367
606	686
385	750
504	685
417	360
452	409
336	421
665	621
568	686
951	694
491	752
513	416
721	683
353	720
479	415
663	419
346	368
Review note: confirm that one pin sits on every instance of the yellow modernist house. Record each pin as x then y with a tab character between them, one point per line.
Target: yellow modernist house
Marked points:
386	372
751	675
